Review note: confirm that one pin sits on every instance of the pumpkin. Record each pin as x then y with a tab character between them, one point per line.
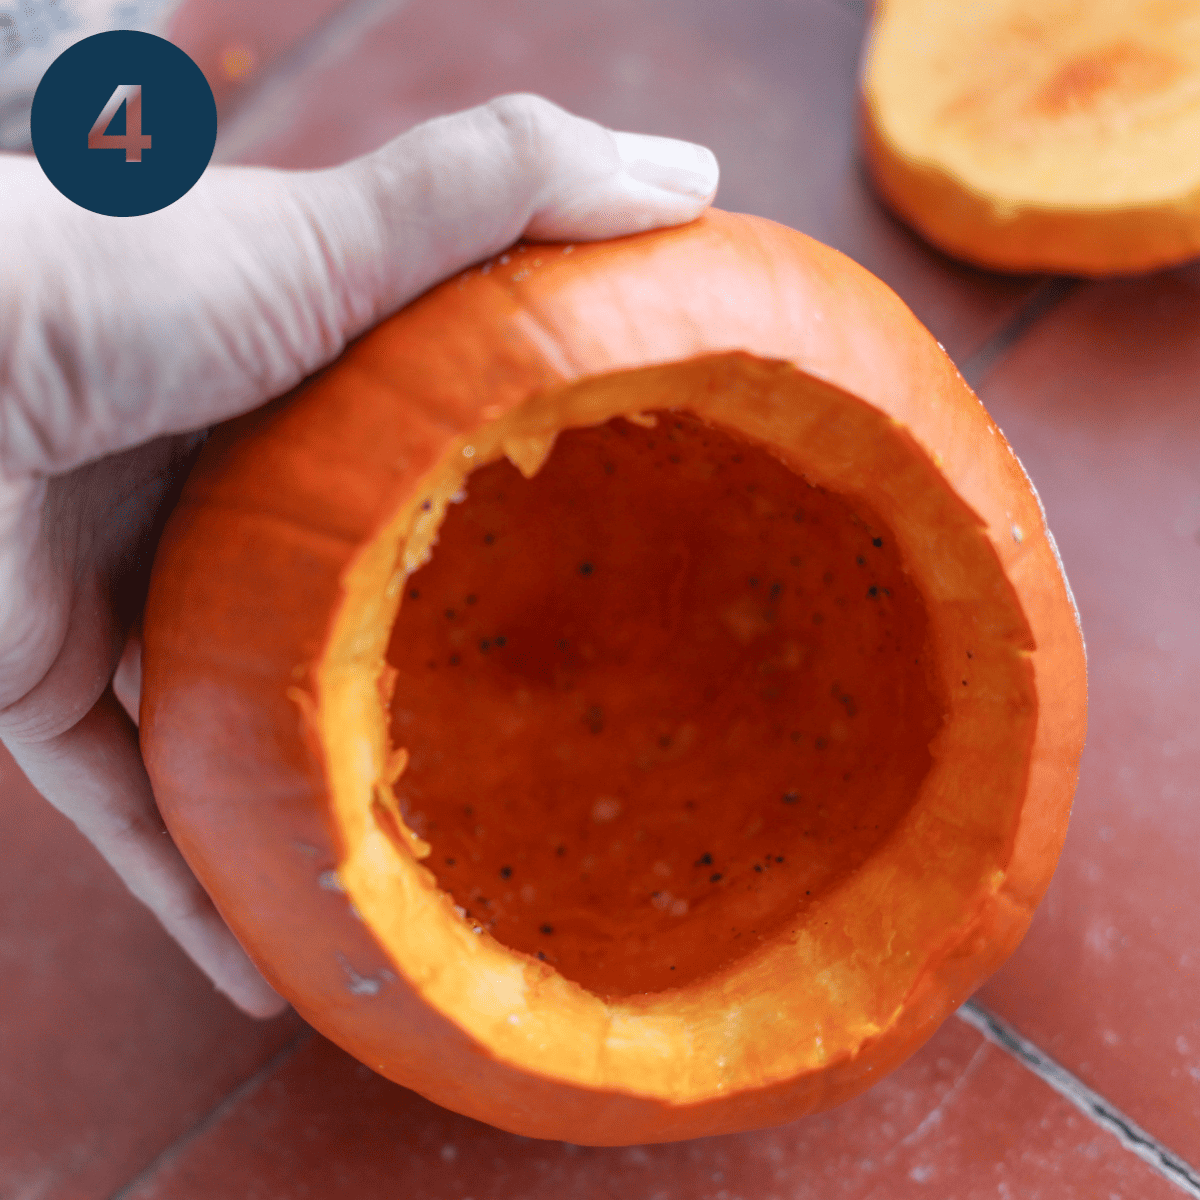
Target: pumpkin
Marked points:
1039	135
631	695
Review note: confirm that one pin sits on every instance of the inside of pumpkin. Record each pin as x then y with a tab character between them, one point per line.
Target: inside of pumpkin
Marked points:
656	698
945	740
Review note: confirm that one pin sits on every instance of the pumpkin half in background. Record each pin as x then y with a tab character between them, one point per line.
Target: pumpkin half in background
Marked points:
631	695
1040	135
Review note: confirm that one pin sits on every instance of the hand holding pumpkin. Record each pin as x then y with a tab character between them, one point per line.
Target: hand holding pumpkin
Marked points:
119	340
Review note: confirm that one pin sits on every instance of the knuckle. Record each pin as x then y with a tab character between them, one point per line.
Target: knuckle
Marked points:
528	121
124	826
186	906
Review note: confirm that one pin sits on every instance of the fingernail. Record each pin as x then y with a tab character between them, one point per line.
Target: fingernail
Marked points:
667	163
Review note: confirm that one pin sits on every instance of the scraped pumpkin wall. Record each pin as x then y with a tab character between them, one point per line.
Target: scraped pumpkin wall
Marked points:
708	703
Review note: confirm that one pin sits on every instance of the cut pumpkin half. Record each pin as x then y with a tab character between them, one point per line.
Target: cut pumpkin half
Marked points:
1039	135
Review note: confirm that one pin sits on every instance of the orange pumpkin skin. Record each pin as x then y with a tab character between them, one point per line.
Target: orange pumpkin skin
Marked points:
274	538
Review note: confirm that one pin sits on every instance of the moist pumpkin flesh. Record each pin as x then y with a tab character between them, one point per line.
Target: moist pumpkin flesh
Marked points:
657	699
1055	102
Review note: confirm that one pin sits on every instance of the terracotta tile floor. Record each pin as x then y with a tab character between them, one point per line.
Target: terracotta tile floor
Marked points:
1099	401
122	1075
961	1119
234	44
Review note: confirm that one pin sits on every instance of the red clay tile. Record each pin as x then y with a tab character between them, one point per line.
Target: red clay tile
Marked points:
770	87
234	43
111	1044
962	1119
1100	403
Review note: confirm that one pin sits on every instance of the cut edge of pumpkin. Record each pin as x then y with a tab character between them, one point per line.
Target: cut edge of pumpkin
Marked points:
1020	235
820	984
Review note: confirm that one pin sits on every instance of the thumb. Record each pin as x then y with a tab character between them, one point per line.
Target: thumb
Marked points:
129	329
460	188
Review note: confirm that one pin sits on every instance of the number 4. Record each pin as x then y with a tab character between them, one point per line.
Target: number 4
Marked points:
132	141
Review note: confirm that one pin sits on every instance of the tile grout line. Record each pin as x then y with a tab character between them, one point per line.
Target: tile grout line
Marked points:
1094	1106
1044	299
256	111
223	1106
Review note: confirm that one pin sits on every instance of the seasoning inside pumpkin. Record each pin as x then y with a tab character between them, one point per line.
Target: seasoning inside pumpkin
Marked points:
707	705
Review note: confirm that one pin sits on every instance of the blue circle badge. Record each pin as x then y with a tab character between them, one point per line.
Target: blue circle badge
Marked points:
123	123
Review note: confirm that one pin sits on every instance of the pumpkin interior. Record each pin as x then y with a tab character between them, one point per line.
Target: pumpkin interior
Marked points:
657	699
937	749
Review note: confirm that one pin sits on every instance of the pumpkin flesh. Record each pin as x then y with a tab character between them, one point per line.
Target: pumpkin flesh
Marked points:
818	970
707	707
1040	135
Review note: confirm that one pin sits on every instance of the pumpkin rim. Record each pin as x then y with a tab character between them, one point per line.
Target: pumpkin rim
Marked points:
520	1006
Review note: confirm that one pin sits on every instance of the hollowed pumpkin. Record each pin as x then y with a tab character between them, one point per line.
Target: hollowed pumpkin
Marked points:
631	695
1040	135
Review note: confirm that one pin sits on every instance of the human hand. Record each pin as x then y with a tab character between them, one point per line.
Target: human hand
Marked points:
121	340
